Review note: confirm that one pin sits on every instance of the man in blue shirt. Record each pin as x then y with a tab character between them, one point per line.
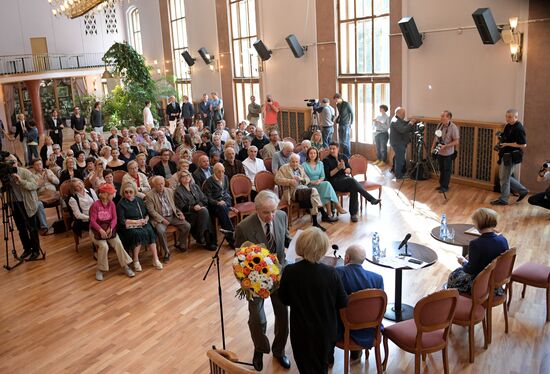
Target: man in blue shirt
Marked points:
355	278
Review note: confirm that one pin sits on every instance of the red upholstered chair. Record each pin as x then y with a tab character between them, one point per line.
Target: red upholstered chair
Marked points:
117	176
471	310
154	161
531	274
267	164
241	187
359	164
324	153
265	180
428	331
365	309
196	156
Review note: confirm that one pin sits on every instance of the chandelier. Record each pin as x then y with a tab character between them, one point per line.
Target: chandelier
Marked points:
76	8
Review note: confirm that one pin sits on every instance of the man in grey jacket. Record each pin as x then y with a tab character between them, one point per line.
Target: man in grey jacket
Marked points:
400	131
326	121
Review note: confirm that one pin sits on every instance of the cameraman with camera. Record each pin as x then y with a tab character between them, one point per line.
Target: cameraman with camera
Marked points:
443	147
400	130
542	199
510	155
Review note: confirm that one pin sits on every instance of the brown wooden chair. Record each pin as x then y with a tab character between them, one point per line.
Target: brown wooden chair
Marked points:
291	140
50	199
428	331
64	194
265	180
196	156
324	153
241	187
268	164
154	161
359	164
471	310
365	309
225	362
531	274
117	176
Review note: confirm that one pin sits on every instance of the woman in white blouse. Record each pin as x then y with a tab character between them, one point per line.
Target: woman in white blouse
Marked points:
139	180
80	202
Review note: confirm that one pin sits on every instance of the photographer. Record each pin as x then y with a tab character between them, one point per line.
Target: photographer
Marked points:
510	155
23	196
400	130
445	142
270	111
542	199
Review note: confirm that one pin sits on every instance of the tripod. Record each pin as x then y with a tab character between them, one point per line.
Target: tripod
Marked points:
7	223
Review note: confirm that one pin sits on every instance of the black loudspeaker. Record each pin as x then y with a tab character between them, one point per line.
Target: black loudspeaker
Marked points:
295	46
485	23
205	55
188	59
410	32
263	52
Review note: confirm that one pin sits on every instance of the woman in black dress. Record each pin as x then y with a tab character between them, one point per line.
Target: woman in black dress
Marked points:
134	227
115	163
315	295
69	170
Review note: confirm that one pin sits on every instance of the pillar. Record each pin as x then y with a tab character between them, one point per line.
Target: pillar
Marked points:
33	88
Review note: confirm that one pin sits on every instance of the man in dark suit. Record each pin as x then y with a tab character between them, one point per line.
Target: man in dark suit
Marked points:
355	278
55	125
400	130
77	146
173	109
166	167
203	172
269	226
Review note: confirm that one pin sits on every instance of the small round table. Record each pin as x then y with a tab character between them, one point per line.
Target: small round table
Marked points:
399	311
460	239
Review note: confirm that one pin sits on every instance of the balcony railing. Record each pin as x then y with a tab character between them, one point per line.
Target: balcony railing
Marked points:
24	64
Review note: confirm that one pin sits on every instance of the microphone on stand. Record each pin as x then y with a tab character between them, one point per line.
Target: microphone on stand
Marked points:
335	248
404	244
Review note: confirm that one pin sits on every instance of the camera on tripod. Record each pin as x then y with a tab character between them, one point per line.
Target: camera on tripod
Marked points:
6	168
500	137
314	104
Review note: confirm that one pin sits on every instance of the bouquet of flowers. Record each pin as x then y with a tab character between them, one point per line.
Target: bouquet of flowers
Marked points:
257	270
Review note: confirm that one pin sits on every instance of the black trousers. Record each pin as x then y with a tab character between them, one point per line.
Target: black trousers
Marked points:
445	170
257	324
200	225
540	199
27	227
351	185
57	138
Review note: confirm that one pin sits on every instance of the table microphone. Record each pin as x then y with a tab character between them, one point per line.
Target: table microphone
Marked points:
335	248
404	242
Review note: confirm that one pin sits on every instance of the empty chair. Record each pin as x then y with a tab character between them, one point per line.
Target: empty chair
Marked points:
429	329
267	163
241	187
536	275
359	164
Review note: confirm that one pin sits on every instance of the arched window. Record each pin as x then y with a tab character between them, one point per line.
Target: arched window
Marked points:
134	30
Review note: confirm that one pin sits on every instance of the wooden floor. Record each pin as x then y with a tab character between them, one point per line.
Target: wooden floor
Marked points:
55	317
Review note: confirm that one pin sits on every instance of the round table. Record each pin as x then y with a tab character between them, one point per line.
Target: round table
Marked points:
460	239
399	311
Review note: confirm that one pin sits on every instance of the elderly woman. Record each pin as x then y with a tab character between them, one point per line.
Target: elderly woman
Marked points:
126	153
46	150
116	163
103	224
94	150
134	227
193	203
90	168
143	168
69	170
315	294
183	165
482	251
139	180
306	145
317	140
80	201
186	154
105	155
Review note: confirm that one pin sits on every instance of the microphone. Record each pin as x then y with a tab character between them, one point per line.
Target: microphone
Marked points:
335	248
404	242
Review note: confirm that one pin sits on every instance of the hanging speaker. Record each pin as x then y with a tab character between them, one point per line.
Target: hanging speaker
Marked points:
486	26
410	32
263	52
188	59
205	55
295	45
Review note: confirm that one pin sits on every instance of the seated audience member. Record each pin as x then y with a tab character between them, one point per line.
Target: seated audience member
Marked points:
150	143
282	157
482	252
126	153
80	201
294	180
206	144
134	227
316	172
306	145
215	157
194	138
217	145
116	163
216	190
203	172
542	199
80	160
238	141
166	167
45	178
69	170
86	148
183	165
90	167
105	155
274	145
162	142
355	278
253	165
232	165
95	178
94	150
250	132
103	225
188	156
114	135
56	158
138	179
46	150
163	212
243	152
188	144
190	199
143	168
77	145
315	295
338	171
109	178
259	140
317	140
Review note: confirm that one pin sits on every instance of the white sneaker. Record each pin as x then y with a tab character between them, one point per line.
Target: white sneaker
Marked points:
99	275
157	264
129	272
137	266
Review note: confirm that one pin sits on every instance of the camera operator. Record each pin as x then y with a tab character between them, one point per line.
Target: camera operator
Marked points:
23	195
510	155
447	141
542	199
400	130
326	121
344	121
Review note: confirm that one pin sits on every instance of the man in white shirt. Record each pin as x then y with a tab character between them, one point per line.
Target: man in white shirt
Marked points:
220	128
253	165
148	120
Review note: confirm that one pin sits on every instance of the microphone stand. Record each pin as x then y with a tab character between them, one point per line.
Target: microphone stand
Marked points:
406	254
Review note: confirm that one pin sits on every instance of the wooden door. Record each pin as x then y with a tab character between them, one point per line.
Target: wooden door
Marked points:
39	48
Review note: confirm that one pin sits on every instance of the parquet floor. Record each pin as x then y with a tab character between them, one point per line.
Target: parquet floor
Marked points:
55	317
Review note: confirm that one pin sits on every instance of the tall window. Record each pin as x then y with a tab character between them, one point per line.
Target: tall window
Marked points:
178	33
364	60
134	30
245	59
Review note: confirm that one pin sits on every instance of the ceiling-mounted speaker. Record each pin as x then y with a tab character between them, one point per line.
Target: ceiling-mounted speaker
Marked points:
188	59
486	26
263	52
410	32
295	46
205	55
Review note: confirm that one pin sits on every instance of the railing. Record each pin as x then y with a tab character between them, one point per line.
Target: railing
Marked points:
24	64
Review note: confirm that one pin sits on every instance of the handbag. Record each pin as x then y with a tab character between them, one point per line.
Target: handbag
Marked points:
105	226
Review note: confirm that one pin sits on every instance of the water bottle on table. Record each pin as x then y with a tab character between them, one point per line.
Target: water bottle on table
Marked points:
375	245
443	229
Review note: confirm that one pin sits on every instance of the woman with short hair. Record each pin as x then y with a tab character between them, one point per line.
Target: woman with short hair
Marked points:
80	201
138	179
69	170
143	168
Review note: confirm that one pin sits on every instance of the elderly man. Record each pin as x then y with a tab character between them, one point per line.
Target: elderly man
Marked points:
259	140
253	165
326	121
282	157
448	141
306	145
294	180
270	226
45	178
173	109
163	212
274	145
203	172
231	164
400	130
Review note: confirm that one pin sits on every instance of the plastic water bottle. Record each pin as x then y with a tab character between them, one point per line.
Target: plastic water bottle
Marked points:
443	230
375	245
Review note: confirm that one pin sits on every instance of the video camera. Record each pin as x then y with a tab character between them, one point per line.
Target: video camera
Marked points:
314	104
6	167
500	137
